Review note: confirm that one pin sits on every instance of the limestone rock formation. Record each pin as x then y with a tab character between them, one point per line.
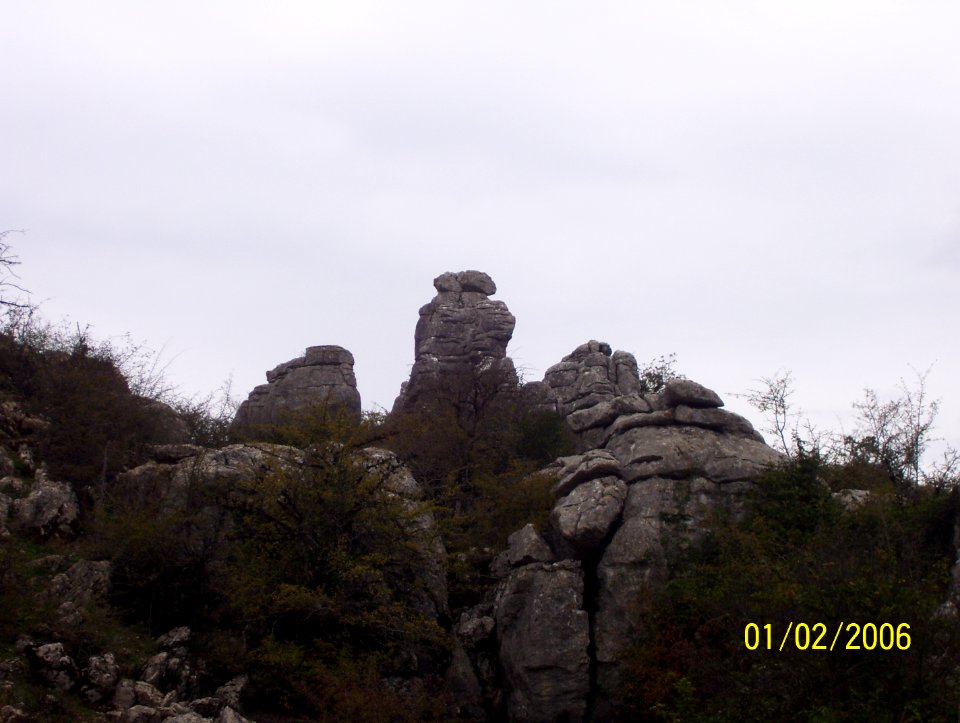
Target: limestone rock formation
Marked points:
323	375
544	634
652	469
459	332
50	510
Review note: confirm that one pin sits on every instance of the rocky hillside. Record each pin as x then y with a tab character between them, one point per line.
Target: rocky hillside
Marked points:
590	546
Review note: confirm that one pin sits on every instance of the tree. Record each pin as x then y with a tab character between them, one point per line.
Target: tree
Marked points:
895	433
8	262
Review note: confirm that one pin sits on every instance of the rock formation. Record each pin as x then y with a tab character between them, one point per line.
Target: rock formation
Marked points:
323	375
461	331
653	468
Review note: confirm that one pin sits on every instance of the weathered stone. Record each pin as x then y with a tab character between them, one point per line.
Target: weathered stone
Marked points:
124	696
141	714
11	485
9	714
5	503
661	518
176	638
462	683
431	598
84	581
523	547
473	628
166	425
578	469
460	332
323	375
584	517
55	666
186	718
717	419
543	635
147	694
684	391
51	509
852	499
681	452
101	675
172	453
229	715
232	691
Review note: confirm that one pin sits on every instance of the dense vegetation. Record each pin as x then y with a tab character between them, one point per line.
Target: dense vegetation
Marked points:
797	556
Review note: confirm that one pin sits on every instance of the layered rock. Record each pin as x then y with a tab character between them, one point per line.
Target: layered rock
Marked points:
653	469
460	332
323	375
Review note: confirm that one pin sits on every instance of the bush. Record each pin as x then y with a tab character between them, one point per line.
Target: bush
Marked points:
800	558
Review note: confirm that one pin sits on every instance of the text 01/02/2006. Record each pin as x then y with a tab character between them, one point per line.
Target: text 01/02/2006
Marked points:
845	636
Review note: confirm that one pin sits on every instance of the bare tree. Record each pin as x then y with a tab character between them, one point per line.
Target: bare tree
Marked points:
8	263
773	400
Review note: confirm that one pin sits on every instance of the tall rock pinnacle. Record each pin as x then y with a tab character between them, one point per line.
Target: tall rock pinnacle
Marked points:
459	331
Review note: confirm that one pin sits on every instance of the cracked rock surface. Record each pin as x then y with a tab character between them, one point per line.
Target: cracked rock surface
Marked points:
652	470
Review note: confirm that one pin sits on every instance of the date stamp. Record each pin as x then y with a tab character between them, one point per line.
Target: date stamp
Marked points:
820	636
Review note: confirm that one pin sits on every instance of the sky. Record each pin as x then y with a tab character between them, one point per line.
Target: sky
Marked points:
753	186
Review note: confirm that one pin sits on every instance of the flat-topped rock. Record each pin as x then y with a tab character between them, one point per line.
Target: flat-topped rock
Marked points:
323	375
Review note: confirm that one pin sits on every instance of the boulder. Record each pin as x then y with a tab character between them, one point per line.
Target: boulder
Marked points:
54	665
322	376
50	510
101	676
683	451
585	516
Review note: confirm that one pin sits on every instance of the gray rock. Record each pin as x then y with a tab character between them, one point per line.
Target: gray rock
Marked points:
9	714
584	517
523	547
141	714
187	718
462	682
681	452
55	666
11	485
661	519
231	691
5	503
51	509
124	695
82	582
176	638
322	376
101	675
717	419
852	499
229	715
573	471
543	634
684	391
147	694
460	332
168	427
473	628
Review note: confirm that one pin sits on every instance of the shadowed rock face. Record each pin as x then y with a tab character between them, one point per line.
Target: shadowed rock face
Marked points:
324	374
461	330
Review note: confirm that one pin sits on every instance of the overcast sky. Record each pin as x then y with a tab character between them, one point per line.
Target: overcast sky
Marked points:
753	186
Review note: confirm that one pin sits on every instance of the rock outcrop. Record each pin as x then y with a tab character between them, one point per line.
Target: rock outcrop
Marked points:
323	375
49	510
461	331
653	469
